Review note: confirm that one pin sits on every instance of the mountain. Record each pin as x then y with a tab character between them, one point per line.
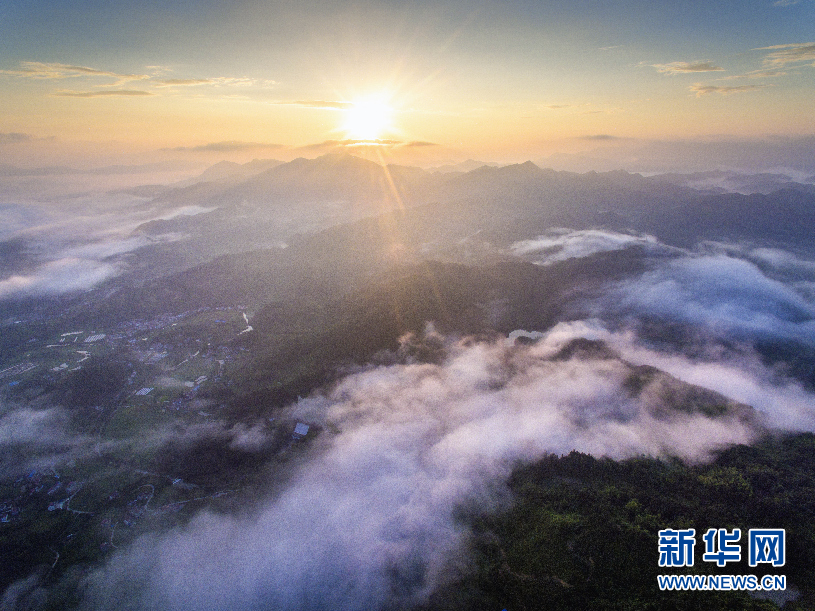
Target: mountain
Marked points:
356	210
231	171
516	364
464	166
721	181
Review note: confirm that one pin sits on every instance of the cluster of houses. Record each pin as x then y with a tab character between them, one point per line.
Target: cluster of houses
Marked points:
32	487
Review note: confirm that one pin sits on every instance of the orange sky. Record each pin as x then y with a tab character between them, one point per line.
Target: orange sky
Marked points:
505	81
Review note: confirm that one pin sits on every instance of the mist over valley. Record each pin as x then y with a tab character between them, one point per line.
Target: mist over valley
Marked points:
333	384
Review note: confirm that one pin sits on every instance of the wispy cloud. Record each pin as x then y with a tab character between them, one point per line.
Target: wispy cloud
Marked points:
754	74
58	71
687	67
789	54
215	81
102	94
338	145
702	90
335	144
372	142
14	137
599	137
785	2
157	79
419	143
559	246
607	111
724	295
175	82
65	275
228	146
328	105
223	81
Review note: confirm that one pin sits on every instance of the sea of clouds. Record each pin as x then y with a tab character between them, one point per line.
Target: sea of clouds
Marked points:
367	519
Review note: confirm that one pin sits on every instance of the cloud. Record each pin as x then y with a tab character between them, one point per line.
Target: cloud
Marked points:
58	71
559	245
25	593
192	210
348	143
755	74
334	145
14	137
321	104
728	303
36	438
217	81
782	259
741	376
61	71
702	90
369	520
725	296
107	248
366	518
607	111
418	143
600	137
372	141
102	94
65	275
789	54
248	438
40	438
52	250
228	146
687	67
173	82
787	405
785	2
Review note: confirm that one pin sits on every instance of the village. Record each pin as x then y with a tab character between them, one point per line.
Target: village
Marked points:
86	506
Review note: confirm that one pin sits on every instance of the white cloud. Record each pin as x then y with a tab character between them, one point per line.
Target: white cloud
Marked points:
783	260
64	275
58	71
701	90
103	93
559	245
229	146
687	67
36	438
754	74
786	403
783	55
368	521
728	297
192	210
108	248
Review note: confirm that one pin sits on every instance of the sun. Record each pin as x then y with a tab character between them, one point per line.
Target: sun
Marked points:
368	118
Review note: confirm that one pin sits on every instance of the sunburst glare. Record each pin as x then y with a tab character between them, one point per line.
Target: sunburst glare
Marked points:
368	118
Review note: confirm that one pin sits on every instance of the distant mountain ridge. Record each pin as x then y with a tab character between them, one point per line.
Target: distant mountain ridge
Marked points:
231	171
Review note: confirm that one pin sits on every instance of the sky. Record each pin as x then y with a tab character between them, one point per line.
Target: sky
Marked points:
493	80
